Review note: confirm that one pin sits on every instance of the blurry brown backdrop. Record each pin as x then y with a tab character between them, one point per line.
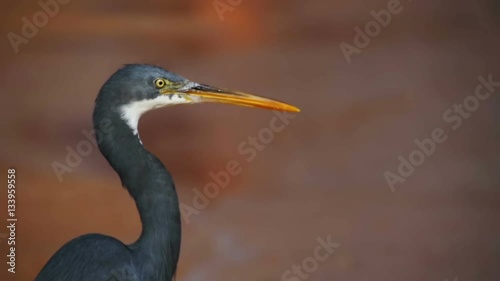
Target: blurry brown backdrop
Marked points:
322	175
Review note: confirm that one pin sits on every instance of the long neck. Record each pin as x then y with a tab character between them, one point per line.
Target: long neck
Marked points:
153	190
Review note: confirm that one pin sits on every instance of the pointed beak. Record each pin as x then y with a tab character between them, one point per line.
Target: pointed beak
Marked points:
211	94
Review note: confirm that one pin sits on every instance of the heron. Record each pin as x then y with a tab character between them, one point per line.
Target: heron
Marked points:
130	92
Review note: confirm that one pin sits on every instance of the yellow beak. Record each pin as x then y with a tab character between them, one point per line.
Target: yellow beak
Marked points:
212	94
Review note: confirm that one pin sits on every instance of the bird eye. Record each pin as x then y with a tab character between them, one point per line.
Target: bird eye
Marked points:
160	83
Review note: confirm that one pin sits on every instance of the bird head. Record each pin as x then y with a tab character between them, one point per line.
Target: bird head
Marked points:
138	88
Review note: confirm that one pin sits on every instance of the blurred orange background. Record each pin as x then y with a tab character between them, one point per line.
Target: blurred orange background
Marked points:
323	175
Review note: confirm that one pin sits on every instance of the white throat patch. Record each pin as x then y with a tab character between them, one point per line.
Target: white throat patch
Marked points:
132	112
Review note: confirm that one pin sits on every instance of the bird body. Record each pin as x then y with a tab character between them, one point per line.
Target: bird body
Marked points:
129	93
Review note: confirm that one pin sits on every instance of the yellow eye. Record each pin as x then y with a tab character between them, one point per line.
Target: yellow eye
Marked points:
160	83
